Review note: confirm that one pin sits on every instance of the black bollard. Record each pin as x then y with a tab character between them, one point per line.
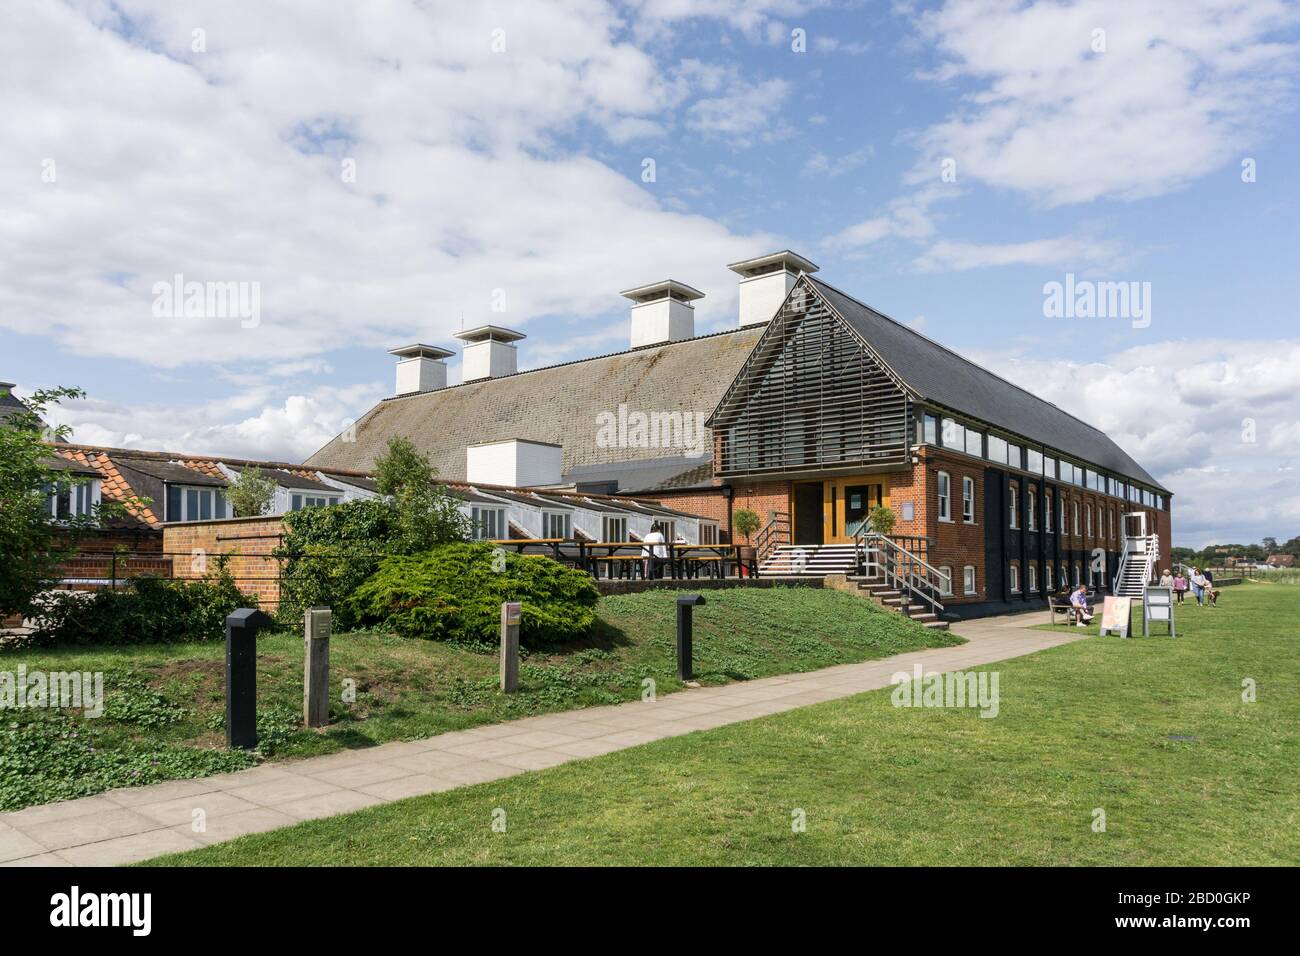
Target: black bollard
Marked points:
241	676
684	634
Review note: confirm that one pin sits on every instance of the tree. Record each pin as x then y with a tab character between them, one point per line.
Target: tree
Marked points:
33	545
1269	545
427	514
745	522
251	493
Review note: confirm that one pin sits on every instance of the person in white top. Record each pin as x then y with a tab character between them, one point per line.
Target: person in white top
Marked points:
655	550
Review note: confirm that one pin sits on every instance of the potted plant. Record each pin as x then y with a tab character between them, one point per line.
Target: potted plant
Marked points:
745	522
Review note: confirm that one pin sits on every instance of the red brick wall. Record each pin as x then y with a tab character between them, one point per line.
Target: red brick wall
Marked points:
248	541
762	496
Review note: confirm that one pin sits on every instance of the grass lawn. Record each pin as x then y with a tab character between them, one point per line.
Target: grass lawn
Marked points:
165	703
1153	731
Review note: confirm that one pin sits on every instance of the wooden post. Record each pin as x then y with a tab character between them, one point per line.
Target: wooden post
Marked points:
510	614
318	624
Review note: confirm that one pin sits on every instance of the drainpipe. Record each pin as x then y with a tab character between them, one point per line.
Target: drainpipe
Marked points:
729	493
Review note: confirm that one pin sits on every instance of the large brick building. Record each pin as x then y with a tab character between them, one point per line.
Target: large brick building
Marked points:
812	411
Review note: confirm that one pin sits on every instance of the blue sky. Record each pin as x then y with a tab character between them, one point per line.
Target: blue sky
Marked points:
502	147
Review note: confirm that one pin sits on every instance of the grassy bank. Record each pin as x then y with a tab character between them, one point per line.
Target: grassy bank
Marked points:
165	703
1154	732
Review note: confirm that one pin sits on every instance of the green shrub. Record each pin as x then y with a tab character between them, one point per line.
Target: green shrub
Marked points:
151	611
328	552
454	593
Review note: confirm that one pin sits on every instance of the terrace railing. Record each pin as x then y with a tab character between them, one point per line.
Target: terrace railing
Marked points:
772	535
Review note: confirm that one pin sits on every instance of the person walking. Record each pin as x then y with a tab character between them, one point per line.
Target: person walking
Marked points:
1198	586
1180	587
1166	580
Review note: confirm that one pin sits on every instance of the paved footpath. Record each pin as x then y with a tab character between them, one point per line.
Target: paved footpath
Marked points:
137	823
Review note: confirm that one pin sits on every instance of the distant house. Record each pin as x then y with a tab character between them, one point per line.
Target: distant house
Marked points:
1281	561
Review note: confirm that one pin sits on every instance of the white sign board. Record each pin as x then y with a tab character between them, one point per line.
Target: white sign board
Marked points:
1115	614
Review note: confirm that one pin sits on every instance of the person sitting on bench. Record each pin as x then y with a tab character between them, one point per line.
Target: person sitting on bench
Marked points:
1079	604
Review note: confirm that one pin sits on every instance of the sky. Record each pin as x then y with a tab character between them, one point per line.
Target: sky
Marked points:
376	174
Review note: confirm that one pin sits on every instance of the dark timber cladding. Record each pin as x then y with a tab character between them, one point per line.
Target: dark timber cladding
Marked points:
810	396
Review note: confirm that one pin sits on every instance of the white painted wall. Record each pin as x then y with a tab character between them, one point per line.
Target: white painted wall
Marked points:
488	359
761	296
513	462
420	375
663	320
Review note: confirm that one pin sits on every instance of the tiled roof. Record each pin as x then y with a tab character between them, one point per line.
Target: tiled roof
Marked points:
939	375
558	404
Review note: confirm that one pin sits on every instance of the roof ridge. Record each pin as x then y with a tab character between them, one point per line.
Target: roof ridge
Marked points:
577	361
955	354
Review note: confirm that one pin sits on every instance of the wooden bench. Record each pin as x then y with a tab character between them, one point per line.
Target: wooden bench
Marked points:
1060	604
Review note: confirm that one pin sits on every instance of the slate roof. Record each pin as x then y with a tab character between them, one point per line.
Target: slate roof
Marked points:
558	404
937	374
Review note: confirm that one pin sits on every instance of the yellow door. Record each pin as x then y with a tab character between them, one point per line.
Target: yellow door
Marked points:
848	502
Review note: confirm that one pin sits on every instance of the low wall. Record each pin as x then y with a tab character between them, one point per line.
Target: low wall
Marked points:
638	585
246	542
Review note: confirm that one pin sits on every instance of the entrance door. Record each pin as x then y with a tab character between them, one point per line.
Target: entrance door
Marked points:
848	502
809	517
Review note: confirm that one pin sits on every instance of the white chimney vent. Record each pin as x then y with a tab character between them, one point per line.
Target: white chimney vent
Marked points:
766	281
489	352
515	462
662	312
420	368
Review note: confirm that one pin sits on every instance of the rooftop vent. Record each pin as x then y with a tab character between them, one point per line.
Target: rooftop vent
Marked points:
662	312
420	368
489	352
514	462
766	281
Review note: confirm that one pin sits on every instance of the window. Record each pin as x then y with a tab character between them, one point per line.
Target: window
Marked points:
968	500
1014	457
929	430
1015	578
945	492
974	443
1060	513
1015	506
489	523
1031	500
708	533
1033	577
613	529
195	504
1088	511
1078	577
945	585
300	501
968	579
1075	507
66	501
1047	575
1065	577
1035	461
997	449
954	435
557	524
1112	524
1049	467
1047	512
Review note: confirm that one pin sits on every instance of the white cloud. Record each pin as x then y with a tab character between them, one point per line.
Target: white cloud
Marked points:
264	426
226	165
1180	90
821	166
948	255
742	112
1184	410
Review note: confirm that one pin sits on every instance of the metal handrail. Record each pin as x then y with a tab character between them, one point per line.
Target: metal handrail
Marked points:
906	571
1150	554
763	541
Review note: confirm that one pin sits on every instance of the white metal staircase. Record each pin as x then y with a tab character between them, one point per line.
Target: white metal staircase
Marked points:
1137	564
811	560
